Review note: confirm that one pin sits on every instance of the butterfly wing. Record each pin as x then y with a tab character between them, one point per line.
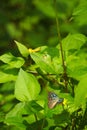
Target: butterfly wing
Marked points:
53	100
60	100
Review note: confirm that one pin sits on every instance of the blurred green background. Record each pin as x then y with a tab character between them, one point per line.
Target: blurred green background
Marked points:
32	22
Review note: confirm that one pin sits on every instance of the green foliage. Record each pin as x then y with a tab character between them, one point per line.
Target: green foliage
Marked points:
73	41
23	50
28	76
33	107
80	93
33	22
6	77
26	87
12	61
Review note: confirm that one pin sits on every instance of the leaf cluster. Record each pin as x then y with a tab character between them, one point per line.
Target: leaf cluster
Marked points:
25	80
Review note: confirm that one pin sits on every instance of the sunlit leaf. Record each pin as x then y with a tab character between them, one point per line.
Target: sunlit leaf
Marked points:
5	77
44	62
80	9
12	61
80	14
73	41
81	92
14	117
23	49
27	87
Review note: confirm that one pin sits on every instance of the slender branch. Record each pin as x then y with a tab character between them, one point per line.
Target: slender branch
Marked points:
43	123
35	117
61	48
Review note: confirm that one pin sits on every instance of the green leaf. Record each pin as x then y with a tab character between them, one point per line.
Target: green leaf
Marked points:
50	123
16	111
23	49
81	92
77	71
76	66
12	61
37	125
26	87
32	107
45	7
62	119
44	62
73	41
80	14
14	117
5	77
81	9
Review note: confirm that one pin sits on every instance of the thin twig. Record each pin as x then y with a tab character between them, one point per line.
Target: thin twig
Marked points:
61	48
35	117
43	123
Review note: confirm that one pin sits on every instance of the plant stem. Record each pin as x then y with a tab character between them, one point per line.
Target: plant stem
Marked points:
43	123
36	117
61	48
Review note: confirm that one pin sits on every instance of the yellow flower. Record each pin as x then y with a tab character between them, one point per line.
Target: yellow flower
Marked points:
34	50
65	101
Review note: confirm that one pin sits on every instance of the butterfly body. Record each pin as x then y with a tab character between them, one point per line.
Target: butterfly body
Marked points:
53	100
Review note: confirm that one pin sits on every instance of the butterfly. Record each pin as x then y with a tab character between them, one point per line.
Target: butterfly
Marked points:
53	100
